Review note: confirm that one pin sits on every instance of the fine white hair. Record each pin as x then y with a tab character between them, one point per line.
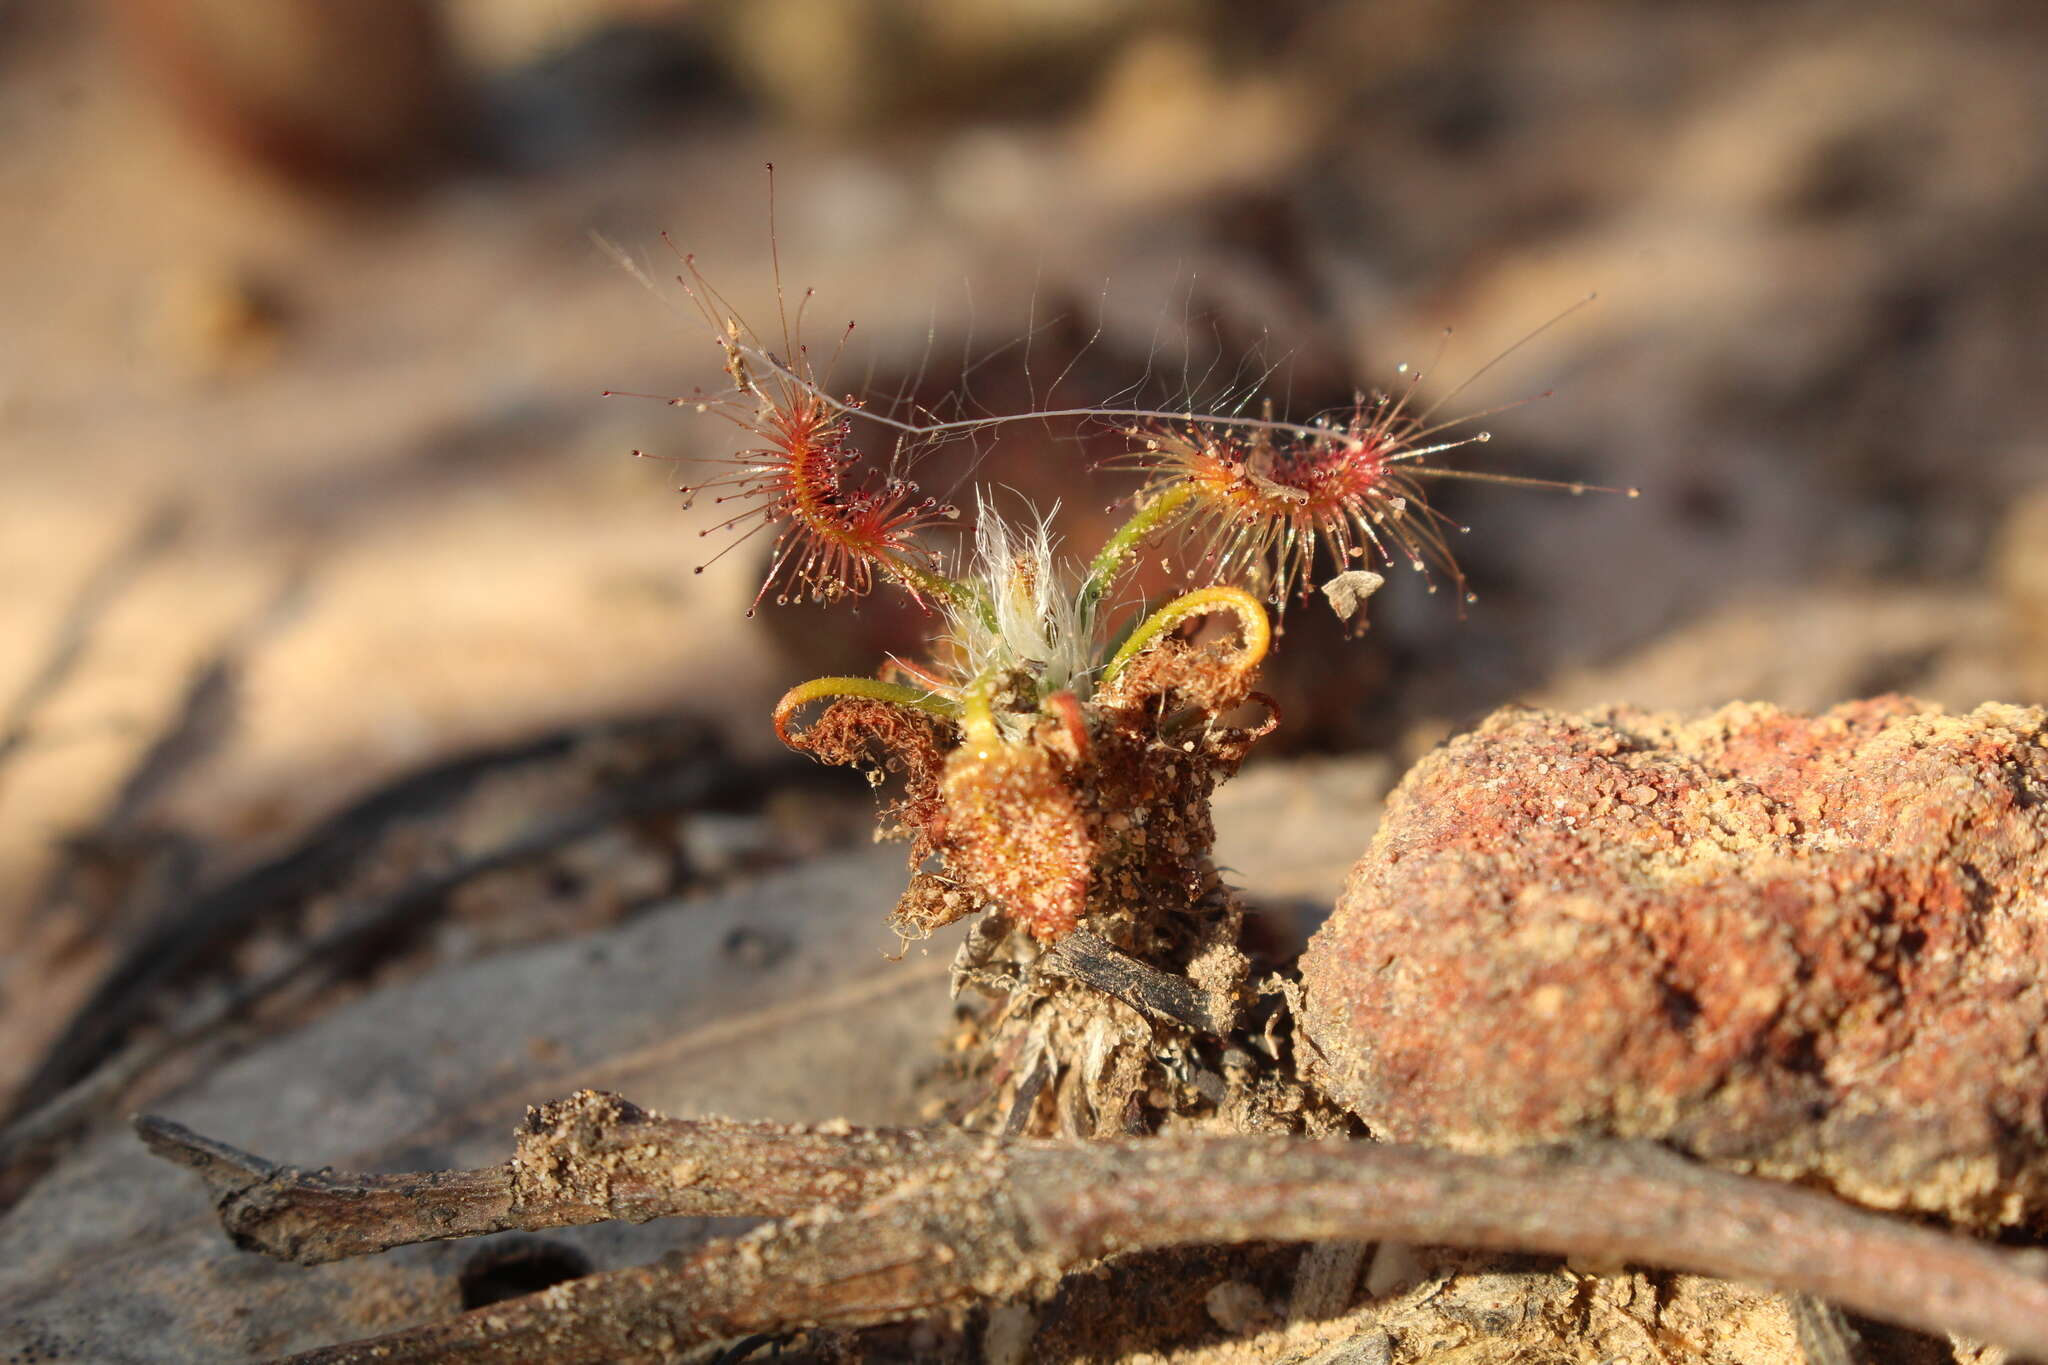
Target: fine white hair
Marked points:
1030	622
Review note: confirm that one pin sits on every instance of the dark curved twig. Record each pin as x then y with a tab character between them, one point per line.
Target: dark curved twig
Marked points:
199	931
154	534
337	948
980	1218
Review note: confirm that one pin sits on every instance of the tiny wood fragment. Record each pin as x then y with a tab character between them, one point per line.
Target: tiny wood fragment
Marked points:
1087	957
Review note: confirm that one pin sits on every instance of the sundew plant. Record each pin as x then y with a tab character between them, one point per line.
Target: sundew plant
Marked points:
1055	750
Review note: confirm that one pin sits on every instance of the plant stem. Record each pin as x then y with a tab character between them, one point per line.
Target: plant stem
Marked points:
872	689
1117	551
923	582
1251	615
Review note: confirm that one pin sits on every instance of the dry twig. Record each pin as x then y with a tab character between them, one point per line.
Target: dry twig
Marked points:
909	1223
191	935
154	534
587	1159
341	947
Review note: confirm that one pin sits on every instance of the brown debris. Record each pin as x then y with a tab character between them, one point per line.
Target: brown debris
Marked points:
1014	832
856	732
1809	946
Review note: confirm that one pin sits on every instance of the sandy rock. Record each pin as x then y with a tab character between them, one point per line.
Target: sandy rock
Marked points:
1806	945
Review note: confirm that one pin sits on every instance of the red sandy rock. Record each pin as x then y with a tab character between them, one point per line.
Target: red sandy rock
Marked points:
1813	946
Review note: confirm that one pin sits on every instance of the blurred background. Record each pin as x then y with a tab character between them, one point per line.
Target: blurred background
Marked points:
335	616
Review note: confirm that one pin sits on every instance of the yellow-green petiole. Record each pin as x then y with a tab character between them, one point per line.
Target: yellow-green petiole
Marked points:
1253	623
869	689
1117	552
